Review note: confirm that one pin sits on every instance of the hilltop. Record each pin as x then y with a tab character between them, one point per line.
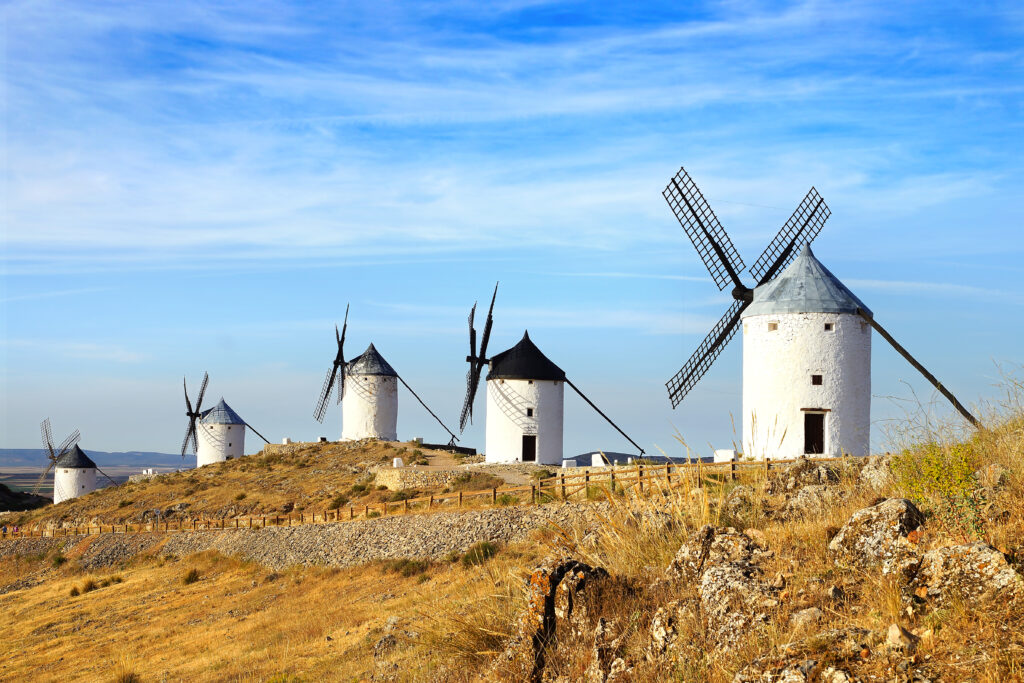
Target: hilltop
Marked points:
300	478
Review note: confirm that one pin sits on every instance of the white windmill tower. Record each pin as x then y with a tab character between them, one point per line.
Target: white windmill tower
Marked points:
74	472
525	400
807	337
220	434
368	391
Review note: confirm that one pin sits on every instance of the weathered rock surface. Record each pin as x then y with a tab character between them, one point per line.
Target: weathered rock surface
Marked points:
819	658
881	535
802	472
965	572
733	596
812	500
549	610
876	473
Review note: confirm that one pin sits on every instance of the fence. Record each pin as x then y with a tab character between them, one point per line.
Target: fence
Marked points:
558	487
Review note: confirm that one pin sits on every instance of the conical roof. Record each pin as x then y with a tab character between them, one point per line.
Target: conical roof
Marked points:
524	361
371	363
75	458
221	414
806	286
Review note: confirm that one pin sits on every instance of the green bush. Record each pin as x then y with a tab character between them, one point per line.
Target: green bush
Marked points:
373	514
407	567
358	488
402	495
240	496
337	502
124	503
479	553
191	577
58	560
942	478
506	499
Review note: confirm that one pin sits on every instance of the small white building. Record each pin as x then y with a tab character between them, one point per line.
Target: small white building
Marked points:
369	407
806	366
74	475
525	406
221	435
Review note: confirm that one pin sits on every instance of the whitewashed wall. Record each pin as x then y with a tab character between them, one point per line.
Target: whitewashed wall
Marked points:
777	369
507	422
217	442
369	409
71	482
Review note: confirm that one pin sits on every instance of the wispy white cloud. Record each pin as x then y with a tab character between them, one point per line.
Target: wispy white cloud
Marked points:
78	350
943	289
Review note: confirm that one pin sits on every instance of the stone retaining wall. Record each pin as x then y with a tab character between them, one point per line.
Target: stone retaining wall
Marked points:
402	478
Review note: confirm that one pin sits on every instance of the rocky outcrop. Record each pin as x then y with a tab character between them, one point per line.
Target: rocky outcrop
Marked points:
802	472
883	535
964	572
727	568
812	500
876	474
553	590
821	658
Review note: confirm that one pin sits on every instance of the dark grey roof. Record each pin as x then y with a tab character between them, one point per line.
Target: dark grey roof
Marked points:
371	363
75	459
221	414
806	286
524	361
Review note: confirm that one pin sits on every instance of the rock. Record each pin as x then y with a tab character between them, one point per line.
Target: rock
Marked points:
900	639
993	477
876	473
664	629
835	594
547	607
802	472
711	545
384	645
965	572
833	675
806	618
740	501
878	536
795	662
605	664
812	500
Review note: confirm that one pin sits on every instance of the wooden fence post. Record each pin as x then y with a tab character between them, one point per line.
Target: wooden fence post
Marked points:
533	494
407	505
611	477
430	503
460	498
561	478
640	477
494	496
732	470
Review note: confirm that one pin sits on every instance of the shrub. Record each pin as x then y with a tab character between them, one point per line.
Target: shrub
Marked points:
506	499
191	577
89	585
75	592
358	488
240	496
372	514
407	567
542	474
58	560
479	553
942	477
402	495
337	502
382	487
124	503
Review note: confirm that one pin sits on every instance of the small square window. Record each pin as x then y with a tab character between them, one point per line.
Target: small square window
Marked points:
229	444
529	412
829	327
773	327
529	381
816	380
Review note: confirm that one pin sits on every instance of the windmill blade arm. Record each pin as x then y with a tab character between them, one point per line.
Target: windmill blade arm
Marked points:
609	420
325	395
920	368
801	229
472	382
68	443
257	433
202	390
487	329
42	478
109	478
700	362
406	385
47	433
701	225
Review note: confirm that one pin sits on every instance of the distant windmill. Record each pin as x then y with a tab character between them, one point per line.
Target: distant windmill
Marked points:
525	399
74	472
807	349
220	434
371	408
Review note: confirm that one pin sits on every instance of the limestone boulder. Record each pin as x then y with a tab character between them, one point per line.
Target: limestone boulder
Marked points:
801	472
825	657
882	535
965	572
876	474
812	500
711	546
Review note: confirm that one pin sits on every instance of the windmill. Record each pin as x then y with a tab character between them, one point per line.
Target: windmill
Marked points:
222	429
794	290
525	399
74	472
371	411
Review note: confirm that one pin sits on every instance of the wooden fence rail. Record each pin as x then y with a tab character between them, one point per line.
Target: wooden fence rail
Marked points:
591	482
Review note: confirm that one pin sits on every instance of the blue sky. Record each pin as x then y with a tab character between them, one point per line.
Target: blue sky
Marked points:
193	187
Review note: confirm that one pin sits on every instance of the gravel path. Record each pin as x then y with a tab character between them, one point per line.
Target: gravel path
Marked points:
339	545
